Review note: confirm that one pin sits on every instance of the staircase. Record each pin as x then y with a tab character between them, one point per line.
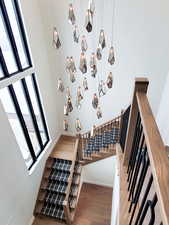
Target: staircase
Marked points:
142	167
61	182
101	143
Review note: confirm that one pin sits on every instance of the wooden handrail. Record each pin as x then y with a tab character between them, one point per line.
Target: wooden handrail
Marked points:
72	170
103	125
141	84
157	155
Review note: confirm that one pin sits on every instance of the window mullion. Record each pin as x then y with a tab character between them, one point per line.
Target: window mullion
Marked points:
40	105
19	16
3	64
10	33
19	113
26	92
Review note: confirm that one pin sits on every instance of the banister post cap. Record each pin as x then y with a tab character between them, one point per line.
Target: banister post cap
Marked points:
141	84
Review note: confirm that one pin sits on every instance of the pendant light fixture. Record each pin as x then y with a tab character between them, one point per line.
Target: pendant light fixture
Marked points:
84	45
69	105
109	80
93	131
66	111
85	84
72	76
68	93
72	65
102	88
93	65
79	94
89	21
56	40
102	40
71	17
65	125
60	85
68	64
99	53
79	98
99	113
95	101
76	34
91	7
83	63
78	125
111	58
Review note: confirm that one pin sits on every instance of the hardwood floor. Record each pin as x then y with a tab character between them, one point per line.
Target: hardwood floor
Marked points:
94	207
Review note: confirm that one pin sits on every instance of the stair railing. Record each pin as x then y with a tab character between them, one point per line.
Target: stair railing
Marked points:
146	163
99	130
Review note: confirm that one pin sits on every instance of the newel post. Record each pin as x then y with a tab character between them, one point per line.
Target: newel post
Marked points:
141	85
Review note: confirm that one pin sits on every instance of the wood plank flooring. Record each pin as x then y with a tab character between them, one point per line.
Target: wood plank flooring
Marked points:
94	207
64	149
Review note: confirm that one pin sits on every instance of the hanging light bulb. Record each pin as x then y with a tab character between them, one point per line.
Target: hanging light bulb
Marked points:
72	65
109	80
111	58
83	63
93	65
65	125
66	111
91	7
60	85
85	84
71	16
72	76
76	34
69	105
79	94
84	44
102	40
99	52
68	64
79	98
102	88
99	113
89	21
68	93
78	125
93	131
56	40
95	101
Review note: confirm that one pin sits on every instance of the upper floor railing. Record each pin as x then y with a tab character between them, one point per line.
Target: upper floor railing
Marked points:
146	162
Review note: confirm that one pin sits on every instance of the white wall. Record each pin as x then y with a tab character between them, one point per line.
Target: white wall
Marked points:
101	172
18	189
163	112
141	34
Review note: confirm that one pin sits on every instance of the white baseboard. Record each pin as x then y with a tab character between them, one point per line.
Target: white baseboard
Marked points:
98	183
31	220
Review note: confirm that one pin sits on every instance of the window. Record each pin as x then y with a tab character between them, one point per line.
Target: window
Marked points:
20	99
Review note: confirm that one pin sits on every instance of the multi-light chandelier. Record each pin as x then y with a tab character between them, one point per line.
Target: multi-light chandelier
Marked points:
71	68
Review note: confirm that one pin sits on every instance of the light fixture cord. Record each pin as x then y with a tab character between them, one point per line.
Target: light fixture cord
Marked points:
113	22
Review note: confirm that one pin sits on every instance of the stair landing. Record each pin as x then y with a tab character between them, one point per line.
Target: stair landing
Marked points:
64	149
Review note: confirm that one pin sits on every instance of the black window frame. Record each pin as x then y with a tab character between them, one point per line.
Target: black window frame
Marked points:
23	82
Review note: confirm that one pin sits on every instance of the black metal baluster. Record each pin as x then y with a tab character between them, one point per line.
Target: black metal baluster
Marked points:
146	163
142	203
135	133
124	127
136	172
150	204
136	153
